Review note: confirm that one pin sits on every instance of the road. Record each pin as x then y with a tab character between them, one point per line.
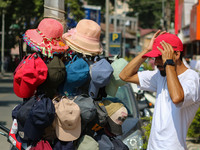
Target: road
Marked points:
8	100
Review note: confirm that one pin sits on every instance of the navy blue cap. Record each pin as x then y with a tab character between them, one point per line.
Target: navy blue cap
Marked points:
41	116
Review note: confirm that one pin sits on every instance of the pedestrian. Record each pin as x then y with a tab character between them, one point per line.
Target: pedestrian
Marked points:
177	89
193	62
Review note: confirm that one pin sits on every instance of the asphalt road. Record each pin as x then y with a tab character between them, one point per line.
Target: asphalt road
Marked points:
8	100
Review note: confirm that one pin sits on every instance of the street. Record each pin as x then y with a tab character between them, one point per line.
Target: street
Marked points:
8	100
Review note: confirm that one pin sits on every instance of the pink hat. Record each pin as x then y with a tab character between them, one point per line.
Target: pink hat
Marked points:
168	38
47	38
85	38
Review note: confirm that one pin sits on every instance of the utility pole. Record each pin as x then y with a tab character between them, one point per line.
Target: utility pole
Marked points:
168	15
2	42
115	16
55	9
107	29
163	15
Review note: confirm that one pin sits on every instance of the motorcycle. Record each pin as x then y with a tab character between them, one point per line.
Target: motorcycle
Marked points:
145	106
11	138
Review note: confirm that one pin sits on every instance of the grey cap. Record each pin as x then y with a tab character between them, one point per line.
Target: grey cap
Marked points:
87	107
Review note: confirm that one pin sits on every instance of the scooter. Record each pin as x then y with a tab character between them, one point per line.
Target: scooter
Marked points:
11	138
145	106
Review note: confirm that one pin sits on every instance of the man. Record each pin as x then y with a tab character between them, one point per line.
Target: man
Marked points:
177	89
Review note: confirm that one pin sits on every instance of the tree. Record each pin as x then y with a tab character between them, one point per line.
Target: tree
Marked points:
150	12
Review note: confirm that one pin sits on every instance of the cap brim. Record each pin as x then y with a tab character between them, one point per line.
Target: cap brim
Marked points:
68	135
153	53
16	88
114	128
93	90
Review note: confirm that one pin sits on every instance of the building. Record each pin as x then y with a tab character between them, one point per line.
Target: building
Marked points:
187	25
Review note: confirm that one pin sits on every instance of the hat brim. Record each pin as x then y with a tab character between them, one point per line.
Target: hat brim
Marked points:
68	135
35	40
76	43
114	128
153	53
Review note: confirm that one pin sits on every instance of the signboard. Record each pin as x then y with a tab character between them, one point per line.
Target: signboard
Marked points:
195	23
93	13
115	43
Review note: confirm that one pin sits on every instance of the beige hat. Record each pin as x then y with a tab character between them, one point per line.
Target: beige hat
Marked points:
67	120
116	111
120	115
85	38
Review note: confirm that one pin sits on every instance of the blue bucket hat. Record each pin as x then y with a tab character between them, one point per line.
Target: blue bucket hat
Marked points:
101	72
77	74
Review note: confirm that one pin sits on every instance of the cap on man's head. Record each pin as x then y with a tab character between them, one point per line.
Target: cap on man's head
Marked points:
172	39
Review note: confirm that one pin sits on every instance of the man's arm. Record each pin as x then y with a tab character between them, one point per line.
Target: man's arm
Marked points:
129	73
175	89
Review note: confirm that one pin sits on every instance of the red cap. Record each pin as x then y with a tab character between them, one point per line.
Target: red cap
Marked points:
29	75
172	39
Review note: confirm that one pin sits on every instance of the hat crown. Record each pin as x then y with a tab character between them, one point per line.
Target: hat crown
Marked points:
68	113
51	28
172	39
89	29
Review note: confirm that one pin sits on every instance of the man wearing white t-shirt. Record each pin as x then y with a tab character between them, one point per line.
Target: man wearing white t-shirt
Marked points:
177	88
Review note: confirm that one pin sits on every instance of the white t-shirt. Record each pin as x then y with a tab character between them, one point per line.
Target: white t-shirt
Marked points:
171	122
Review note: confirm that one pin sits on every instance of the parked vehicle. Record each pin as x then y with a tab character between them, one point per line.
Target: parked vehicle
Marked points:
131	128
145	100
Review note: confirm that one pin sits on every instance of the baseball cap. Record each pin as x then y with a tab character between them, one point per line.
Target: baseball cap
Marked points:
112	87
117	114
31	73
40	117
61	145
100	73
172	39
21	113
87	107
86	142
56	75
77	74
67	120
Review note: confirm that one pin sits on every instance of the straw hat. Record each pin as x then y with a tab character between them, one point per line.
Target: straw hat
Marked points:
85	38
47	38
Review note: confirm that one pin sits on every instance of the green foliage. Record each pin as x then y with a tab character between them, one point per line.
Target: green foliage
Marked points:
147	128
193	130
75	8
147	66
150	12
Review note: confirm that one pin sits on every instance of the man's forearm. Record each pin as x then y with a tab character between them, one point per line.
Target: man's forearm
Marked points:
132	68
174	87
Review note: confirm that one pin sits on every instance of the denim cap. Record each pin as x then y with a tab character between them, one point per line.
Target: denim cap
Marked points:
100	73
77	73
112	87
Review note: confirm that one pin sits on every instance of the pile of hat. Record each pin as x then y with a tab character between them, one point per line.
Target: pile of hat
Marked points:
64	85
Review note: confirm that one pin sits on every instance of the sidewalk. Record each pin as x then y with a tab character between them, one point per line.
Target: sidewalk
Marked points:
6	76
